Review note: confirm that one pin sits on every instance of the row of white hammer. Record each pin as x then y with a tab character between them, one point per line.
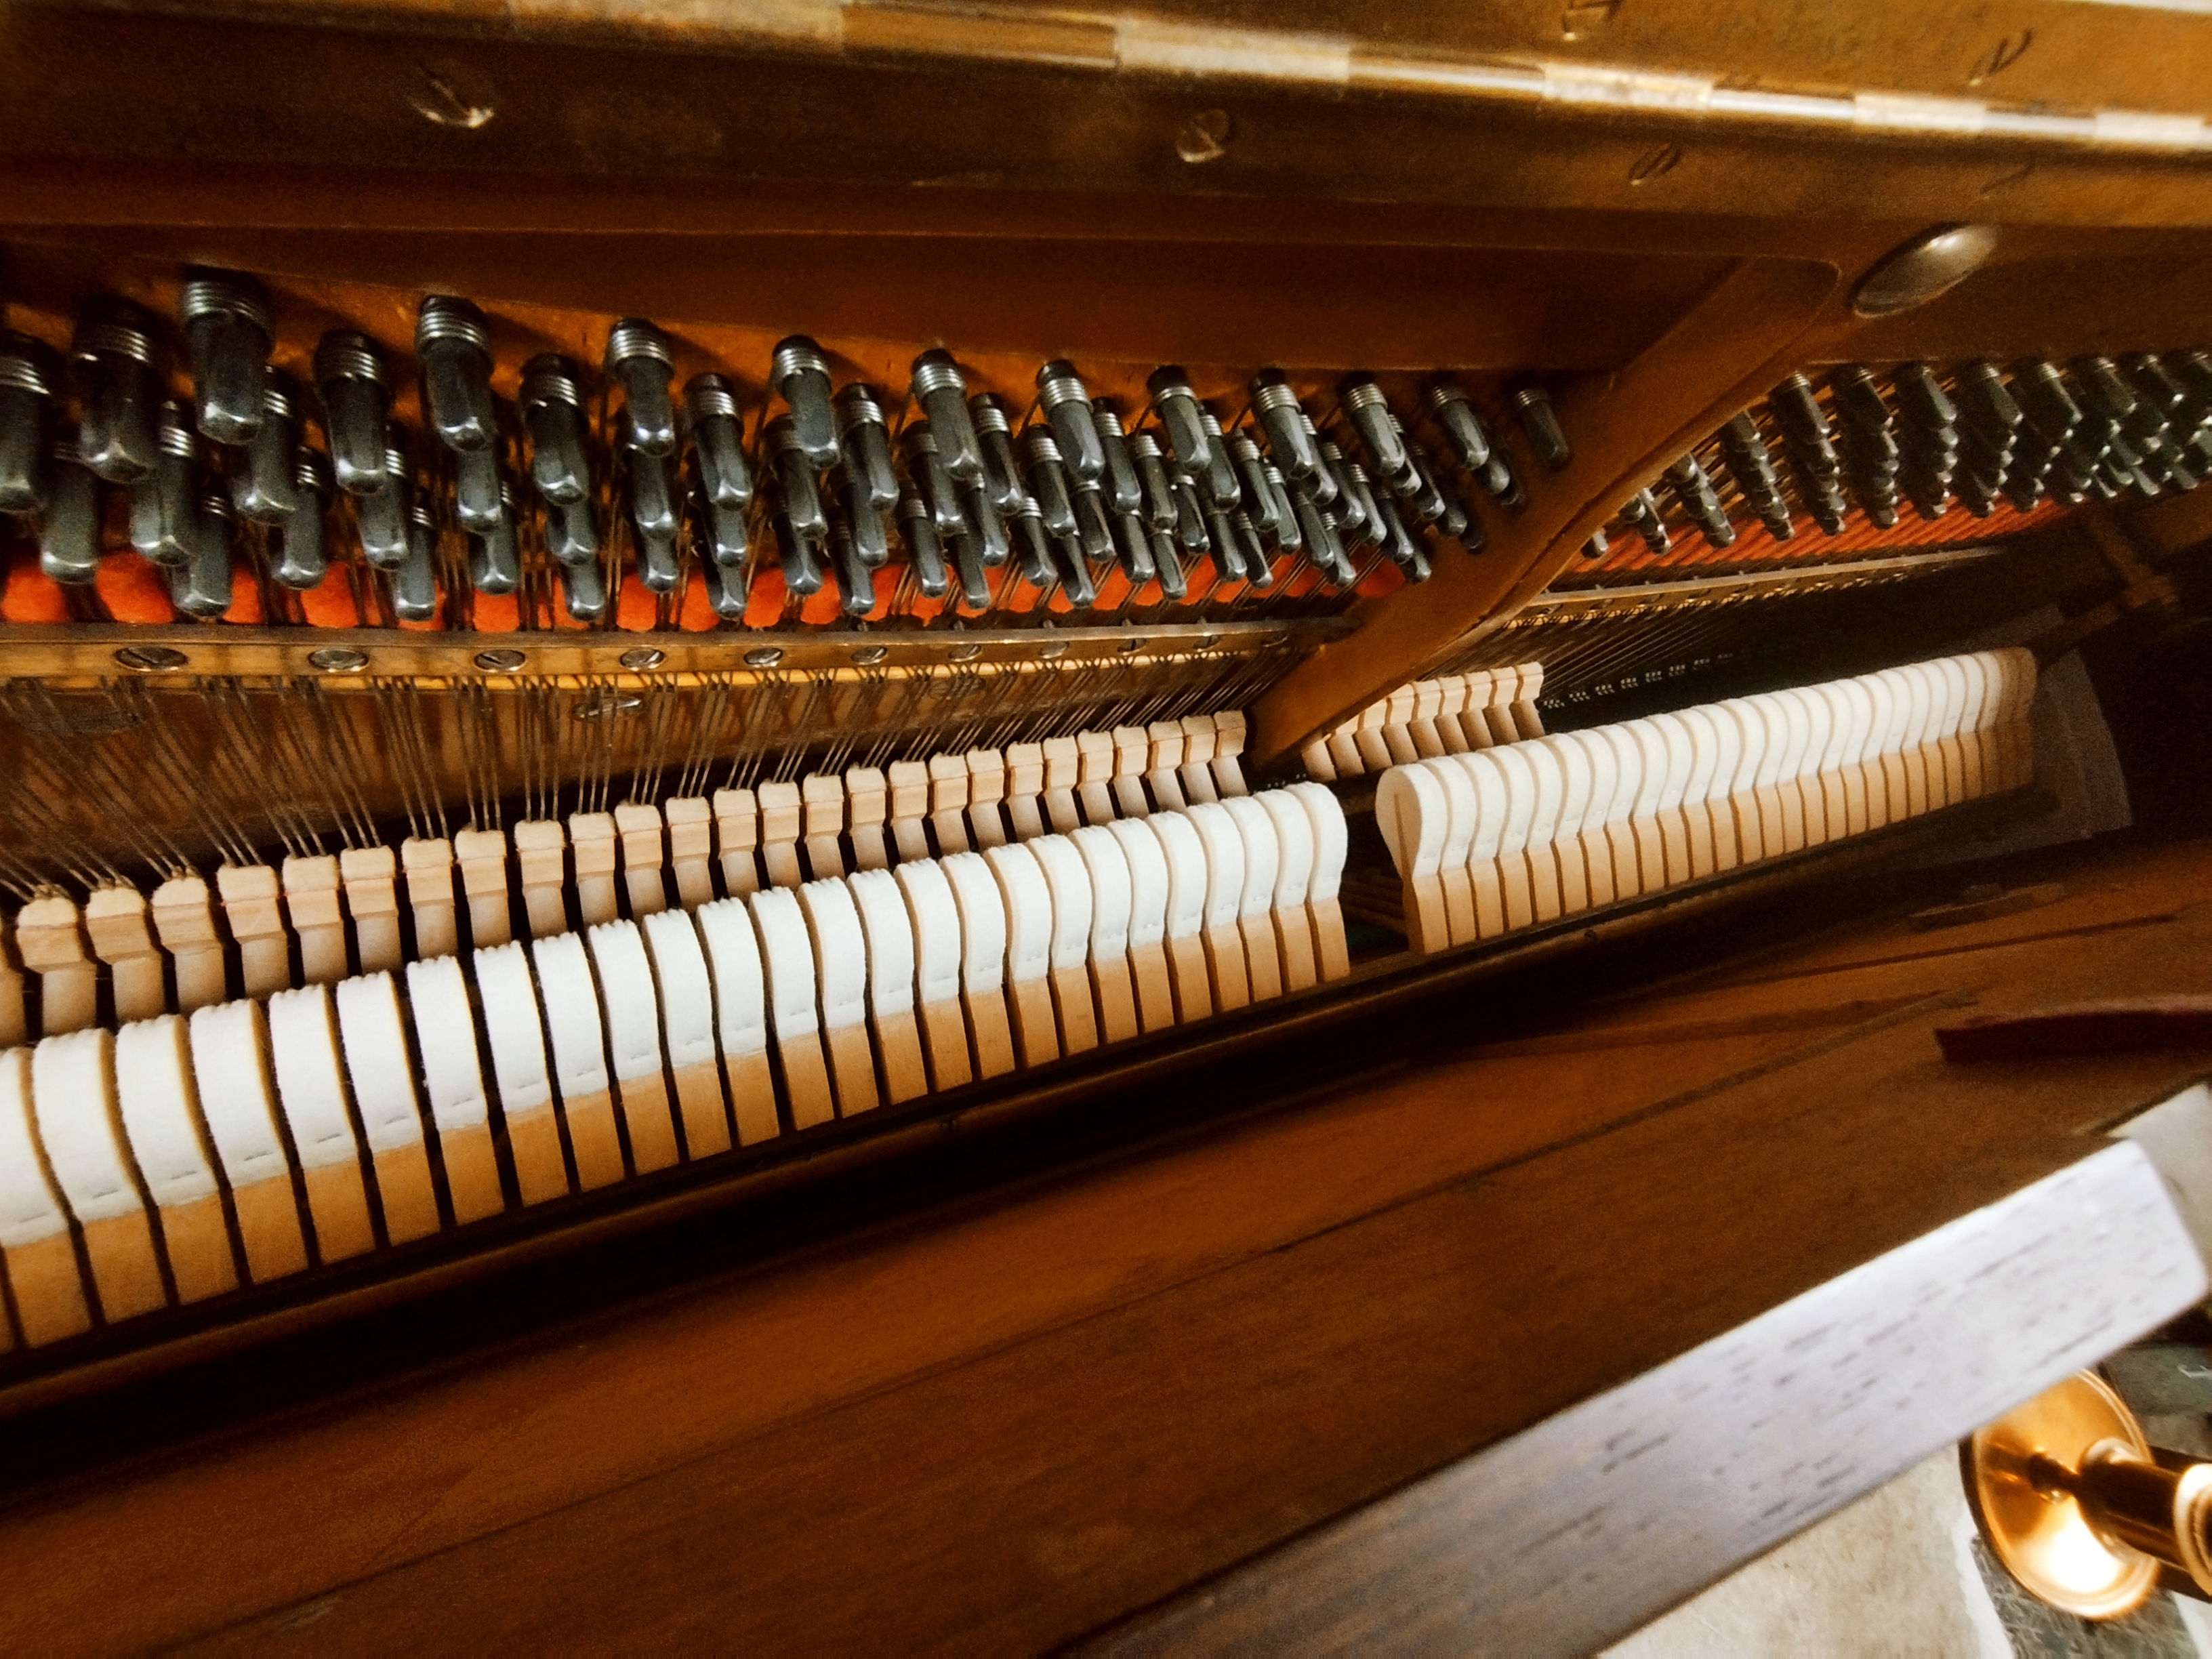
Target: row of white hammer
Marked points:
316	919
1448	715
1513	836
167	1151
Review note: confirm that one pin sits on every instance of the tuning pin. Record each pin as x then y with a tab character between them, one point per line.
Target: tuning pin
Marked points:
1133	546
572	535
863	525
1987	404
1322	544
1322	483
584	585
2041	391
1158	503
994	443
1047	480
1219	479
1642	514
926	469
653	507
1337	501
382	518
479	489
1284	518
1805	428
1700	502
1456	413
923	549
227	333
730	532
1228	551
1931	499
1178	409
1500	482
639	359
551	403
30	384
264	473
856	582
1598	546
115	358
1092	527
1824	500
349	379
800	375
1743	449
1167	566
726	589
798	553
1426	498
942	395
200	587
1290	443
1259	501
415	580
495	560
718	442
165	504
1922	397
453	347
1369	411
1397	541
2023	479
2100	380
1259	569
1860	398
864	445
799	498
983	518
69	530
1074	571
1192	514
1124	490
1540	422
1066	404
2158	390
1033	544
1354	513
302	554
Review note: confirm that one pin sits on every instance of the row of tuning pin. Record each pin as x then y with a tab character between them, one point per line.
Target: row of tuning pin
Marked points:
1068	495
2097	428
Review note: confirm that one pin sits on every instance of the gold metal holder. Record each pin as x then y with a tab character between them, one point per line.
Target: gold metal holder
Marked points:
2067	1493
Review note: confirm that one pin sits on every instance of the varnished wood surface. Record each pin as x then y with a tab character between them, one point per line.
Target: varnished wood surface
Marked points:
1012	1421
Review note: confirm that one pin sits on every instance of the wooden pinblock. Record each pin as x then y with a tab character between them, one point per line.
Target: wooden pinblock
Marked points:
481	856
303	1045
840	977
867	809
73	1099
317	912
1114	992
1224	894
155	1095
230	1068
1412	811
50	1299
1063	765
1025	790
691	848
733	960
948	803
1195	774
120	926
516	1032
382	1077
1331	841
737	840
633	1011
937	960
1183	930
795	1016
594	851
889	932
1069	883
687	1030
982	961
586	1091
909	808
452	1078
429	865
1133	755
1148	923
49	938
644	839
1164	776
822	810
1028	896
1094	775
254	909
371	877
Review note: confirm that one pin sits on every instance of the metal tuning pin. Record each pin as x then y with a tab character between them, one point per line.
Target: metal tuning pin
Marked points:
1398	541
2100	380
113	355
1870	445
68	531
1047	480
1805	432
800	375
452	346
1539	424
1092	526
415	581
2159	391
227	333
1124	491
572	535
494	559
1700	502
302	551
1462	426
856	581
551	403
726	589
1599	546
652	513
165	504
923	549
1281	421
1353	510
1743	450
1259	569
30	384
1221	540
1929	448
1167	568
718	442
1219	479
1426	497
1066	404
985	521
1259	501
798	499
943	394
1288	535
968	570
864	444
480	490
263	472
1033	545
2040	390
356	398
926	468
584	587
799	556
1368	413
1177	407
1193	515
863	524
640	361
1133	546
994	441
1158	503
382	518
1074	573
200	588
1642	514
1990	418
